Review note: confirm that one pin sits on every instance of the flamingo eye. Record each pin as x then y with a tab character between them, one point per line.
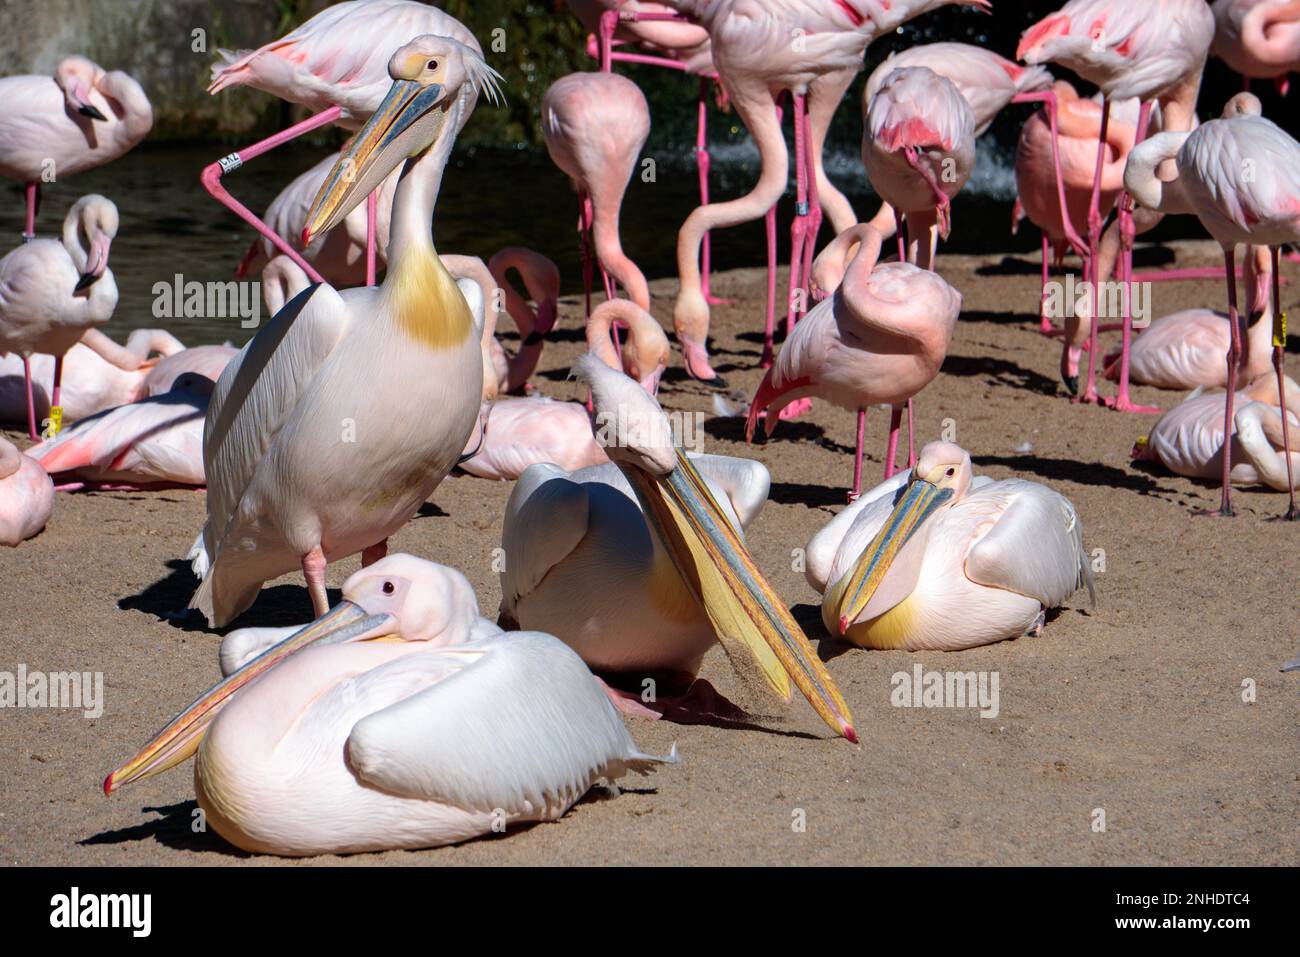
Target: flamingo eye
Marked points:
389	588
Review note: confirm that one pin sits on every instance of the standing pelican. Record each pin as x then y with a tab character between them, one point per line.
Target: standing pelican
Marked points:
639	565
26	495
401	719
52	292
342	415
938	560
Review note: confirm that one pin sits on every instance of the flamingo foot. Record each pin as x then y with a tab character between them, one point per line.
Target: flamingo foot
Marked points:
713	300
698	703
1123	403
795	409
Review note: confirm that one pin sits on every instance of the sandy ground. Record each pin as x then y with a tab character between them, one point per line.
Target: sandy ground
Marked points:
1135	708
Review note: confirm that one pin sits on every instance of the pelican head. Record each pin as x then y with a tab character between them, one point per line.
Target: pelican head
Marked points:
399	598
753	624
433	78
76	77
942	475
95	218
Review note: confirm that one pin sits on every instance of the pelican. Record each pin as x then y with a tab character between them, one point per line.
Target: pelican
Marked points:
639	564
344	413
938	560
401	719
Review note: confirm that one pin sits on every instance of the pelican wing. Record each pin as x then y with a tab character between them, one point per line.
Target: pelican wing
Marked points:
545	520
1034	548
523	726
833	550
256	394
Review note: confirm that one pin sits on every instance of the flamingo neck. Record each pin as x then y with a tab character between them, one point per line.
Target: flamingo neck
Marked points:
72	233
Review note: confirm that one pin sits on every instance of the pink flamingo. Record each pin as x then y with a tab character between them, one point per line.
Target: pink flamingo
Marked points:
1190	348
26	495
763	48
646	352
1260	39
335	64
1240	174
535	319
79	119
52	292
880	339
987	81
595	125
918	145
1155	52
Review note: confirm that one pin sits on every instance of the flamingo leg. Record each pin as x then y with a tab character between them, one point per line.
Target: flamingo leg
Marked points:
31	399
1091	266
1044	320
1234	363
313	569
56	410
814	214
799	226
769	322
33	196
901	232
891	452
1279	357
911	437
857	458
584	246
212	173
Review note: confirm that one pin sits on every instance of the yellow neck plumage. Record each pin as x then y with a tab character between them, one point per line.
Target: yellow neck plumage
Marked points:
427	305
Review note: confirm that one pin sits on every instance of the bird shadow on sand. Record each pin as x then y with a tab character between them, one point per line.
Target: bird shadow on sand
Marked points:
1000	318
174	828
809	618
1000	372
1080	473
810	496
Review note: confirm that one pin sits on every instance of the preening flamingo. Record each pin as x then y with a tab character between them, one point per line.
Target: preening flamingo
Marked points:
937	559
880	339
400	719
1260	39
342	415
639	565
1240	174
595	125
334	64
52	292
762	48
1152	51
26	495
918	145
55	127
535	320
644	355
1188	439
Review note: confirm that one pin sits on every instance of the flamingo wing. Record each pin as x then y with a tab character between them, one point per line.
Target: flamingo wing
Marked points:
519	724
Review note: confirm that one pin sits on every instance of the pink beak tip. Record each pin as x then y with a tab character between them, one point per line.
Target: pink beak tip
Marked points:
850	735
306	236
844	624
108	785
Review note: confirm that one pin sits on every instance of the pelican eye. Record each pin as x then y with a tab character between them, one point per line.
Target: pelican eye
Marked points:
431	65
388	588
952	471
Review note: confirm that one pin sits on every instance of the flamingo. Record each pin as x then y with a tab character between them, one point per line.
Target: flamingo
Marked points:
1190	348
1154	52
813	49
81	118
879	339
937	559
541	279
335	65
307	452
26	495
1188	439
639	564
918	145
645	354
52	292
155	442
1260	39
1240	174
595	125
400	719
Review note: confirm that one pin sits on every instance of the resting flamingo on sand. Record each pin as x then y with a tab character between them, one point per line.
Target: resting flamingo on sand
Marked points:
336	65
1152	51
757	61
918	145
639	566
595	125
400	719
307	453
880	339
938	559
1188	439
26	495
1260	39
52	292
1240	174
81	118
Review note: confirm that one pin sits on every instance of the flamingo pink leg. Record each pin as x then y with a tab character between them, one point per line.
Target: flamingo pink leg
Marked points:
799	227
857	458
56	417
1090	268
900	230
1279	356
891	452
1044	321
584	246
814	216
33	191
911	437
1234	364
31	399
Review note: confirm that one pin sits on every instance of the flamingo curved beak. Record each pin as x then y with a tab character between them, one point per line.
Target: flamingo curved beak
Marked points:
917	503
405	124
754	626
96	260
79	96
345	622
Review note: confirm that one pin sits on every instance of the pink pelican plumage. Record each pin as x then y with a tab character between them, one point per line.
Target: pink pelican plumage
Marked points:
880	339
307	453
26	495
52	292
81	118
937	559
399	719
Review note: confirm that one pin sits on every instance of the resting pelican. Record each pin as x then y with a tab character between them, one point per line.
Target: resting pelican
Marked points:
938	560
639	565
343	414
401	719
